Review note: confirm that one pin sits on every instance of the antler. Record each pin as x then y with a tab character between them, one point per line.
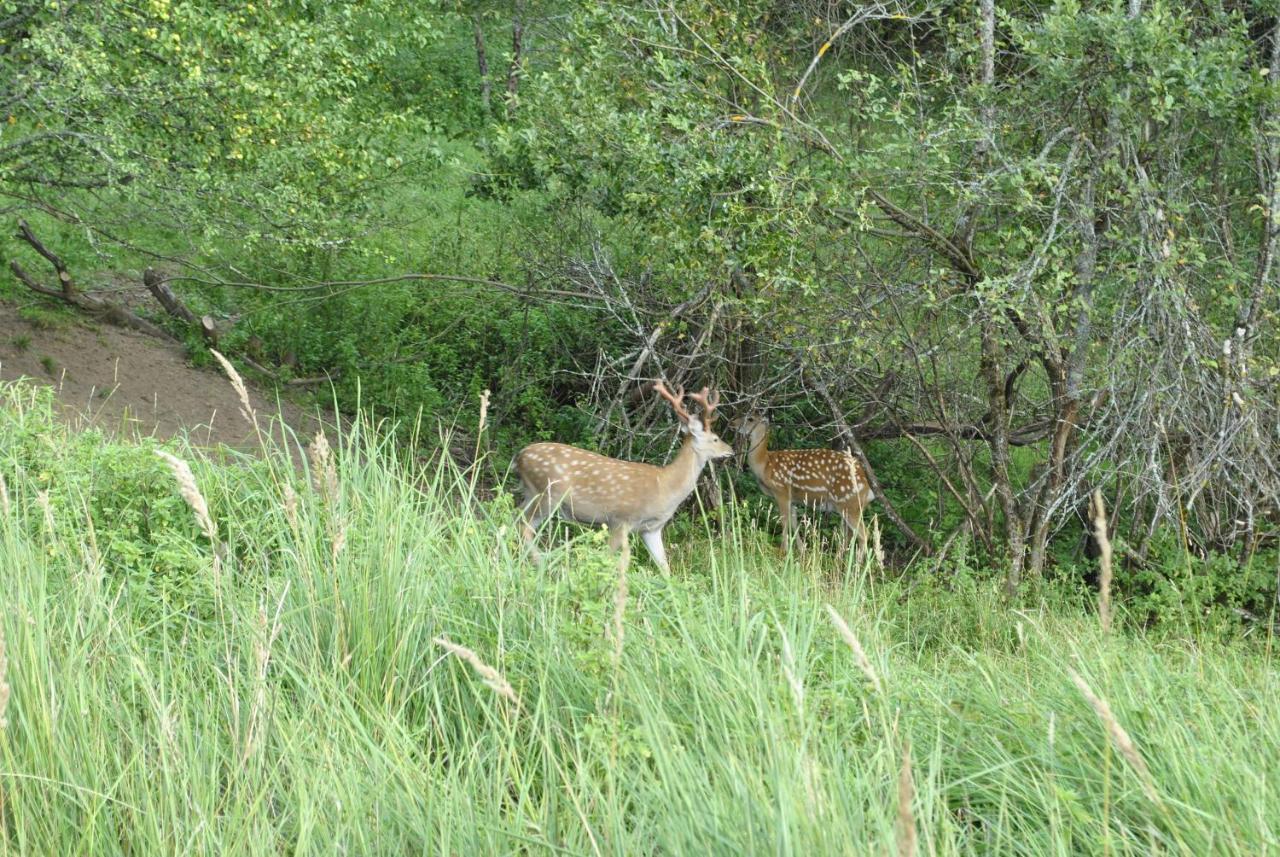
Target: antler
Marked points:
708	399
676	400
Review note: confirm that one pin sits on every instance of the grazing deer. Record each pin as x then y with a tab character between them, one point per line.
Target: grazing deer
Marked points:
626	495
824	478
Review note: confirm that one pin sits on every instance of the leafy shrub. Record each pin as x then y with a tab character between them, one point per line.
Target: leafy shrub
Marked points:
1212	593
118	502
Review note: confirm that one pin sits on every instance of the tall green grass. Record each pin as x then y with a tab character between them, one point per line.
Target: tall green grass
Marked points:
285	692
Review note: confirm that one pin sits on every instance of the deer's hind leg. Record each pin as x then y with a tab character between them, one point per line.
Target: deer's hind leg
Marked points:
620	542
791	530
855	531
536	510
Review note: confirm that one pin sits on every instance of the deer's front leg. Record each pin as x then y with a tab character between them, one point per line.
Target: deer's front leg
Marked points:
653	541
788	514
531	517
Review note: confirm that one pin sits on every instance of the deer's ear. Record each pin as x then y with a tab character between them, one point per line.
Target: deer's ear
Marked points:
694	426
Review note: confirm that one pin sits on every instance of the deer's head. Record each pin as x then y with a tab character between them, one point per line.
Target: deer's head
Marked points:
752	426
707	445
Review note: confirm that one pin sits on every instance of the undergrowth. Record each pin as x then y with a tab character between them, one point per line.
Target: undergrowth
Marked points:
354	655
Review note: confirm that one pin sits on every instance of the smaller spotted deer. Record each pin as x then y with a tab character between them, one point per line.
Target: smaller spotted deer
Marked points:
823	478
625	495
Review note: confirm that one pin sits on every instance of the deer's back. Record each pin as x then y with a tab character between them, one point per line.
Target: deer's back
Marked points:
590	487
818	476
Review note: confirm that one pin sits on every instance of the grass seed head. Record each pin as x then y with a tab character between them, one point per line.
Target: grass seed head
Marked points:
616	630
42	500
237	384
789	671
906	815
1099	510
339	540
1118	735
877	548
859	653
324	473
484	412
290	504
4	683
191	493
488	674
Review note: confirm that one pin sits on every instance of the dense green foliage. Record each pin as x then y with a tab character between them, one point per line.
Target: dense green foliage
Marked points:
1054	238
284	692
1011	254
264	124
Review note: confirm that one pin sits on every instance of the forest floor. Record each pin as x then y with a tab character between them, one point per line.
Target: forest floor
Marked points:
134	385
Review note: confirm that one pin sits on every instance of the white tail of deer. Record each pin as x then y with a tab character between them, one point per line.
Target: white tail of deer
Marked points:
626	495
823	478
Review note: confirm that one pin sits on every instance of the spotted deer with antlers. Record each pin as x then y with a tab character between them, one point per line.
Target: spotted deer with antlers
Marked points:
822	478
627	496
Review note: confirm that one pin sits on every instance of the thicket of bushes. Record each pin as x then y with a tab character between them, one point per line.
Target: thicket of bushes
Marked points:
1017	256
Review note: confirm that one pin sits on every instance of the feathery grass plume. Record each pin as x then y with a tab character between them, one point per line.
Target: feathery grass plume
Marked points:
876	546
906	815
4	496
290	506
4	683
484	412
615	631
93	555
191	493
1099	509
484	420
1119	737
262	643
324	473
42	500
339	539
789	671
859	654
488	674
237	383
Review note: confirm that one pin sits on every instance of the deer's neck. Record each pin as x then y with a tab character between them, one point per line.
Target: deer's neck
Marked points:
681	474
758	452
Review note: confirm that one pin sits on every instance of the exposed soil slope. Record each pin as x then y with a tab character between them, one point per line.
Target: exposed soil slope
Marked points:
135	385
